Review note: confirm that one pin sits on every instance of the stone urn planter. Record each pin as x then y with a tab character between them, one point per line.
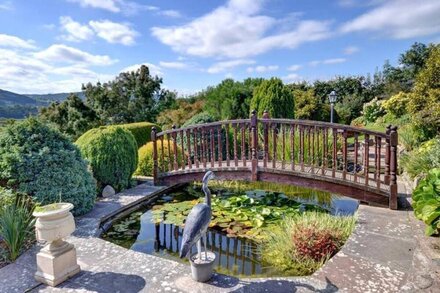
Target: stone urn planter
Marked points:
56	262
202	269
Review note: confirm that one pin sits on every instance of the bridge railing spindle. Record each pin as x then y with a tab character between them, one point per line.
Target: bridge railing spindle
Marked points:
366	158
212	141
356	154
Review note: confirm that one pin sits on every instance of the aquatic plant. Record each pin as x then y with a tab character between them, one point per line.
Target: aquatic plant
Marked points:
246	215
304	242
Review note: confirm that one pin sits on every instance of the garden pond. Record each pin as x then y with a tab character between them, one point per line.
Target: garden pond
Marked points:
243	217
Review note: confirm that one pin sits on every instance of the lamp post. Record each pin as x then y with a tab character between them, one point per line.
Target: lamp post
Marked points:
332	97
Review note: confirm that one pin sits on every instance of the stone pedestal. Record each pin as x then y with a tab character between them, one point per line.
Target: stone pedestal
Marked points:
56	262
55	268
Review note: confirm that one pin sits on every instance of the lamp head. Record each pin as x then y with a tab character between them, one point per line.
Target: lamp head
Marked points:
332	97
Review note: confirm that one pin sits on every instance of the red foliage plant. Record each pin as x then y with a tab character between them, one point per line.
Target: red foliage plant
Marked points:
315	243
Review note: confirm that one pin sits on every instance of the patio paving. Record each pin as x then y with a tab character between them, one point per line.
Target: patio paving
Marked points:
384	254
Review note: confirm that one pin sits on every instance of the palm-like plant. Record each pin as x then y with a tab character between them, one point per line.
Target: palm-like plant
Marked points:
16	226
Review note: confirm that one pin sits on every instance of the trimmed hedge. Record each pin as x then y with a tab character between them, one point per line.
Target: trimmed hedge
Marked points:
38	160
141	131
145	165
112	154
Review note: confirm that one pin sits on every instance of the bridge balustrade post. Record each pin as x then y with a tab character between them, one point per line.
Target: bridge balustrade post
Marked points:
153	139
266	139
393	167
387	156
254	130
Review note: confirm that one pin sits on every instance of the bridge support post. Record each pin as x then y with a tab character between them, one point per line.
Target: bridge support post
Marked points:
153	139
254	147
393	167
387	156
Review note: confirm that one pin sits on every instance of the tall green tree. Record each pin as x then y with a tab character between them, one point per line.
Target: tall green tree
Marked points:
272	95
230	99
72	117
131	97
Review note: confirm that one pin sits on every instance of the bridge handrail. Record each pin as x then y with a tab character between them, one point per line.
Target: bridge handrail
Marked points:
257	144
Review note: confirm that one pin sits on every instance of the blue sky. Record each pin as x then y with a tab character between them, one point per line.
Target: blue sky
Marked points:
49	46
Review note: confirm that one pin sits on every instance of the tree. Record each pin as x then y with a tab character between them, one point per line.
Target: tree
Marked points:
230	99
424	102
72	117
132	97
307	106
272	95
184	110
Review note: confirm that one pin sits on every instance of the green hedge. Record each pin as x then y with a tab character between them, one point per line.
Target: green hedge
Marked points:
38	160
141	131
145	165
112	154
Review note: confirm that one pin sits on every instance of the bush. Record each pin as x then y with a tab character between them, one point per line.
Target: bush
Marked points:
273	96
145	165
38	160
426	201
16	226
304	242
141	131
372	110
358	122
397	104
112	154
200	118
409	137
7	197
422	159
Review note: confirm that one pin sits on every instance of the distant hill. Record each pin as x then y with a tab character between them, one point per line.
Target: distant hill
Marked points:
9	98
17	106
48	98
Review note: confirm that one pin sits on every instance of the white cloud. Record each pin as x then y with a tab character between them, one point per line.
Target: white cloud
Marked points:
227	65
110	5
292	77
125	7
171	13
154	69
399	19
75	32
17	69
6	5
262	68
174	65
114	32
235	30
327	61
59	53
294	67
350	50
334	61
15	42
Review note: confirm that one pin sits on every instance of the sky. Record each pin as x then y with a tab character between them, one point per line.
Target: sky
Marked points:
50	46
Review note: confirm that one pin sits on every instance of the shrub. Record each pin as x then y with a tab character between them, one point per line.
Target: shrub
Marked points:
7	197
16	226
302	244
38	160
397	104
200	118
145	165
273	96
373	110
358	122
421	160
141	131
112	154
409	137
426	201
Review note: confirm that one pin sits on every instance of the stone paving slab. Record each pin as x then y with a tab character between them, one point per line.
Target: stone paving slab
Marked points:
379	257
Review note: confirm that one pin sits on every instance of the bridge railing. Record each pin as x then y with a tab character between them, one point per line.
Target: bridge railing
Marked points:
330	151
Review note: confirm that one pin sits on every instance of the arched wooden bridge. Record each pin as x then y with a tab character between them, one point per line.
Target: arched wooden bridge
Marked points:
346	160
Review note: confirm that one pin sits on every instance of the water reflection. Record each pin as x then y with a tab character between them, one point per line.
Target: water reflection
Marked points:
234	255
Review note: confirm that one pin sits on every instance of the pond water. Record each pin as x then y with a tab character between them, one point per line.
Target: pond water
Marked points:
238	256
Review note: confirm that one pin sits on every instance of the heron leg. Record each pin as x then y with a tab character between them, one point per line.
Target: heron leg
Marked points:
204	242
199	248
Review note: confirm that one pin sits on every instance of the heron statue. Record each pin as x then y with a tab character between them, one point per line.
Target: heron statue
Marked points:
197	222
